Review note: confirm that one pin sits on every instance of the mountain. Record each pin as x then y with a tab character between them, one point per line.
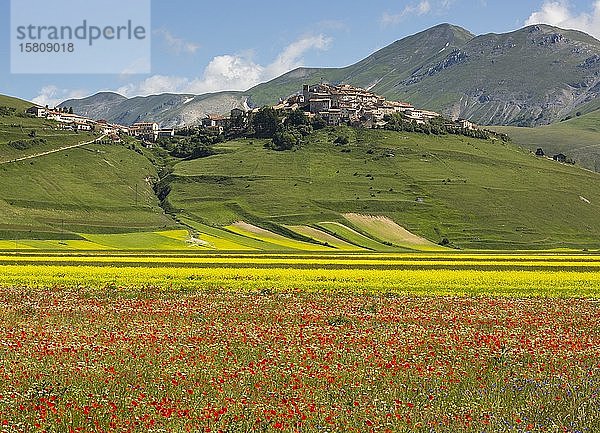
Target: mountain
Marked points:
390	64
98	106
533	76
169	110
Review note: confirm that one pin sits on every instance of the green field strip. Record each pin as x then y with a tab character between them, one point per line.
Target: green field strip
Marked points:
227	240
139	241
259	233
324	237
350	235
387	230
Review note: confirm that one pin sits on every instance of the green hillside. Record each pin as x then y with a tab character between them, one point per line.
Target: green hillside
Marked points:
383	191
477	194
81	190
577	138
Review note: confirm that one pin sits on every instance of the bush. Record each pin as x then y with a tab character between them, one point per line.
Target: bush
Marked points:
26	144
318	122
341	140
284	140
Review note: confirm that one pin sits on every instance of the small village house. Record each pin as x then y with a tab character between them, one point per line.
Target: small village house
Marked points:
144	130
560	158
37	111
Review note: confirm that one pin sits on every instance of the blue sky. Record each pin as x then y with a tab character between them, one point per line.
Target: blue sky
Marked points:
205	46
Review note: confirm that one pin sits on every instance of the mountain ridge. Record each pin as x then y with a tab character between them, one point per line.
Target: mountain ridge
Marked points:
529	77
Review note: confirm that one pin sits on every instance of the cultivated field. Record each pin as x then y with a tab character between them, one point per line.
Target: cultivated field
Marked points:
431	342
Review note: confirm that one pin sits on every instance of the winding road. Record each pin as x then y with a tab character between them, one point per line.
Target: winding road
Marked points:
60	149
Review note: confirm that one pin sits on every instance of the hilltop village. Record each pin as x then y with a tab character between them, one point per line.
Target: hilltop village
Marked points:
145	131
334	105
342	105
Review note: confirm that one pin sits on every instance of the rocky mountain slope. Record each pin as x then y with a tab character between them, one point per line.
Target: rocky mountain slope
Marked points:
169	110
533	76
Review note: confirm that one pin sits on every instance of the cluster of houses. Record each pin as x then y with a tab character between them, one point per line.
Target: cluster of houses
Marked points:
354	105
217	123
146	131
341	104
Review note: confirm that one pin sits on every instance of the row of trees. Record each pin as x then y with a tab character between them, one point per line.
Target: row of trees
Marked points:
191	143
26	144
437	126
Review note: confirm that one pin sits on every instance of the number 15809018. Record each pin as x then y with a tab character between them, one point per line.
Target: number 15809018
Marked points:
49	47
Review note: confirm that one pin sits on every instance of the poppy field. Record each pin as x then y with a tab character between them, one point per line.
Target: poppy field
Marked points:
395	344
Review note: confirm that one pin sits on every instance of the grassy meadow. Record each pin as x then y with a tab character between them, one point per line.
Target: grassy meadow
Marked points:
475	193
578	138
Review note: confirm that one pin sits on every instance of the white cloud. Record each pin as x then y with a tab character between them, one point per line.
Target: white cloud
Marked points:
291	56
52	95
559	13
421	8
177	45
230	72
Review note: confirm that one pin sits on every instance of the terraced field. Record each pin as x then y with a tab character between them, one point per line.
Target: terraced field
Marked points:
241	236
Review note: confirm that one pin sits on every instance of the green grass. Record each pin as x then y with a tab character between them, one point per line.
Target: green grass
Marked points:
228	240
90	189
577	138
170	240
478	194
17	127
83	190
264	235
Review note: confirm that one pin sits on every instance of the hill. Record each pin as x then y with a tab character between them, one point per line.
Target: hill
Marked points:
578	138
475	193
533	76
94	188
382	191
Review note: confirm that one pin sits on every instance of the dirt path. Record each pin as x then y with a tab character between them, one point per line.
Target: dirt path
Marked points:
48	152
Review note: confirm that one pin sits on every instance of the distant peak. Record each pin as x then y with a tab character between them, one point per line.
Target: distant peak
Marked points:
110	94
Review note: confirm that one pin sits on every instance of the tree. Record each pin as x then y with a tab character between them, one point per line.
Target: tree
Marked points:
296	118
70	110
318	122
266	122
